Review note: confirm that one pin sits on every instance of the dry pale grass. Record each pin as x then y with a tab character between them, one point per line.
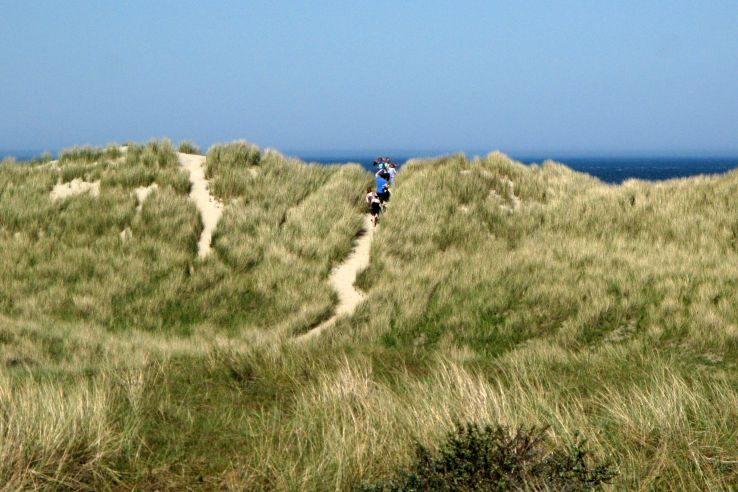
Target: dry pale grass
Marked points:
496	293
606	310
95	286
350	423
70	435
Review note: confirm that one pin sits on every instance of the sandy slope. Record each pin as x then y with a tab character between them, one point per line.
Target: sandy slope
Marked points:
210	208
343	277
74	187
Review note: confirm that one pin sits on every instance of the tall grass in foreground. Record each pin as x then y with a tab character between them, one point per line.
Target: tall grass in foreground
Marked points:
483	458
68	436
349	420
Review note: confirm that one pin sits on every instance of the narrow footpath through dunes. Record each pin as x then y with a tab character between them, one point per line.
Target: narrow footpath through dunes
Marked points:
210	208
342	280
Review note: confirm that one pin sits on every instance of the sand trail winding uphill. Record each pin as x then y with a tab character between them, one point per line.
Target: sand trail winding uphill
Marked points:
343	277
210	208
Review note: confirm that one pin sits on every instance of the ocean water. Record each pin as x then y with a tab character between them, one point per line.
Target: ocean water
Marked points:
19	155
618	169
607	169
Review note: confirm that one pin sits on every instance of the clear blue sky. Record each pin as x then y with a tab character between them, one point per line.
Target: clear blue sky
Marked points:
577	77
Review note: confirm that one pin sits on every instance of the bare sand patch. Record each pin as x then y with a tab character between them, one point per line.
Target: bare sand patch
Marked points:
510	194
210	208
142	193
126	234
62	191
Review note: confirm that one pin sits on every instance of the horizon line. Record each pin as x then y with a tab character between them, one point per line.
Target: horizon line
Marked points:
428	152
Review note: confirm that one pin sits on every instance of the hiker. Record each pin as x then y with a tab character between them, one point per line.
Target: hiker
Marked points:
375	206
369	197
392	172
383	187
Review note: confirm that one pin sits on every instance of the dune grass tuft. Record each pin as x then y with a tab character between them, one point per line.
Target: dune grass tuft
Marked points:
187	147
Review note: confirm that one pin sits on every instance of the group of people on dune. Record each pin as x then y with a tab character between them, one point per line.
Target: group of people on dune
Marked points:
377	197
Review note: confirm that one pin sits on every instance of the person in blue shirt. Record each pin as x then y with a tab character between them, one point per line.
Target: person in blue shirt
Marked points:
380	163
383	192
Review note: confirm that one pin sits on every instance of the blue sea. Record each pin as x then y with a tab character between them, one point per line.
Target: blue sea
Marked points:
607	169
618	169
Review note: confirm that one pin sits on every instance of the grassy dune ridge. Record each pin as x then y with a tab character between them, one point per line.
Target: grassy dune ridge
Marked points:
496	293
91	287
610	310
286	226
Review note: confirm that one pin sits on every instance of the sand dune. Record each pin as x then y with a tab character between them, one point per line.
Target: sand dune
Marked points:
210	208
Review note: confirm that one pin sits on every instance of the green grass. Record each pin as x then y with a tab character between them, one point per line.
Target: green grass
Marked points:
91	286
89	155
497	294
285	227
66	259
610	309
187	147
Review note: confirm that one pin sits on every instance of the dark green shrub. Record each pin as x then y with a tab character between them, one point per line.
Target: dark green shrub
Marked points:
473	458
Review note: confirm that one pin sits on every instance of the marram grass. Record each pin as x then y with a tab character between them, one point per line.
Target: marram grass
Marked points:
497	294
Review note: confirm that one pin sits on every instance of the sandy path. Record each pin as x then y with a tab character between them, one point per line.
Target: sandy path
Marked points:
210	208
343	277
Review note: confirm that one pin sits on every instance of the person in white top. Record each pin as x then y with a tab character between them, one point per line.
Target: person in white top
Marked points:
375	206
392	172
